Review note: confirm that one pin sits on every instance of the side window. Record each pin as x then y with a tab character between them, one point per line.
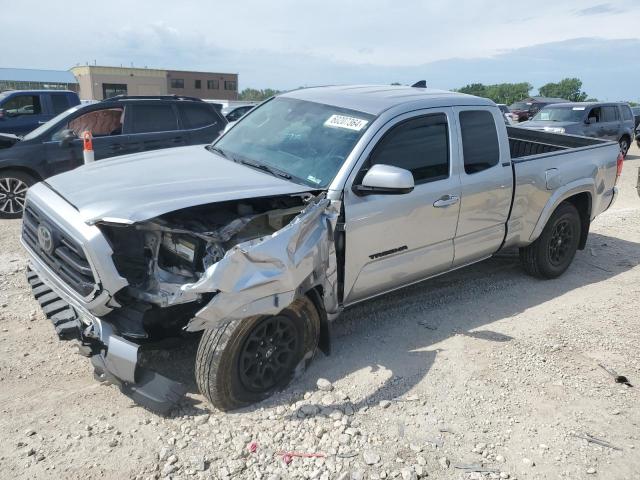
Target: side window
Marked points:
197	116
153	118
595	115
60	103
420	145
609	114
480	145
626	113
22	105
101	123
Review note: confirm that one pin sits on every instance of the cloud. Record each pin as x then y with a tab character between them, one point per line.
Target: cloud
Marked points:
278	44
601	9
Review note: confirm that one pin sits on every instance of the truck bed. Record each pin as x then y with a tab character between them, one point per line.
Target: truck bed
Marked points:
524	142
548	166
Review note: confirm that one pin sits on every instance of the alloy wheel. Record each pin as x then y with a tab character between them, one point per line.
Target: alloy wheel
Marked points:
268	353
560	242
12	195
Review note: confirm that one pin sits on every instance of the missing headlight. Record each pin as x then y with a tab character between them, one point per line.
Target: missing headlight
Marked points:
181	251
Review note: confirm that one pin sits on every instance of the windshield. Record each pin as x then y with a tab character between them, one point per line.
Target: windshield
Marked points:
560	114
519	106
45	126
304	140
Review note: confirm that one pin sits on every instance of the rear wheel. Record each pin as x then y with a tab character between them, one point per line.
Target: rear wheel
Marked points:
13	189
552	253
624	145
247	360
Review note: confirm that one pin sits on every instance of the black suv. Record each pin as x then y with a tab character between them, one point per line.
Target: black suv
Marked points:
119	125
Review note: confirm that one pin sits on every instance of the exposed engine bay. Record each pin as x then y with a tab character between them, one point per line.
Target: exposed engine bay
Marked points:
159	256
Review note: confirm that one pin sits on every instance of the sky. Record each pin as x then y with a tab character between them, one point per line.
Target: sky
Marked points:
284	44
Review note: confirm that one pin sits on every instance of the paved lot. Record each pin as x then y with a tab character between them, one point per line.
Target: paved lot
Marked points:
485	367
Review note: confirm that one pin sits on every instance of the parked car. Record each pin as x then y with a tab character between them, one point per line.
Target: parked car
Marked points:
527	108
119	125
233	112
508	116
610	121
316	200
24	110
636	115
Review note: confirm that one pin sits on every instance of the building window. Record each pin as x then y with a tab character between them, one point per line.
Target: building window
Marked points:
112	89
230	85
198	84
177	83
213	84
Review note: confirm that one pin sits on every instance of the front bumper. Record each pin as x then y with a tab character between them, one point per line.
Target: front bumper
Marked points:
115	359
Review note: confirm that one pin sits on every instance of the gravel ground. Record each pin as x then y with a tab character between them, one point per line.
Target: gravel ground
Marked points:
484	368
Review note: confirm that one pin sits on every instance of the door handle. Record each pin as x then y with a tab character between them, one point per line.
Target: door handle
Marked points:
446	201
177	140
116	147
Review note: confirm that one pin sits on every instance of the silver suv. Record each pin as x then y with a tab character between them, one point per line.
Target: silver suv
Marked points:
610	121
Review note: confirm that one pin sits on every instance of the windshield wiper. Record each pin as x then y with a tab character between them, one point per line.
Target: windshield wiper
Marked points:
266	168
211	148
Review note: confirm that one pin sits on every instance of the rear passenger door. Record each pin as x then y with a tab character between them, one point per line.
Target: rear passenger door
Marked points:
610	122
202	122
486	185
152	126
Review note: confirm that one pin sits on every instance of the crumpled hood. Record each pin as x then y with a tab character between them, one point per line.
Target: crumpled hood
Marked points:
137	187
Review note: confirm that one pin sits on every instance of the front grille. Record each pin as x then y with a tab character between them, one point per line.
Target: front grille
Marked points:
65	256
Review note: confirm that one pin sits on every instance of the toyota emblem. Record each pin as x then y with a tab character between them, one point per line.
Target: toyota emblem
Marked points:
45	239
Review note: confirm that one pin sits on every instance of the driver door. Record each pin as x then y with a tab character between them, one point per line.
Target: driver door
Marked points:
106	126
396	240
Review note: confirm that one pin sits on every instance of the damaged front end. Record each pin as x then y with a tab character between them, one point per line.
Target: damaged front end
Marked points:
193	269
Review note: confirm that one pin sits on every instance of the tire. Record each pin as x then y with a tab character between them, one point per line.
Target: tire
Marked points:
552	253
13	189
624	146
223	350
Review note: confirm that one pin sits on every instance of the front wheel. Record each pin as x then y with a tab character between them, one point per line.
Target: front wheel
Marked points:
245	361
552	253
13	190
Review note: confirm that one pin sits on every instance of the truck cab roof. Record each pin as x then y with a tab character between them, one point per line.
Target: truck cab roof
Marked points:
375	99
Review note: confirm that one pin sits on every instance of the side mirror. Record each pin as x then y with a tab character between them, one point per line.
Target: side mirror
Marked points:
66	137
385	180
587	121
2	113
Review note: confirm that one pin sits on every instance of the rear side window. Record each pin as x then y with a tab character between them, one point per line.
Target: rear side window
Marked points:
60	103
19	105
420	145
479	140
626	113
609	114
153	118
198	115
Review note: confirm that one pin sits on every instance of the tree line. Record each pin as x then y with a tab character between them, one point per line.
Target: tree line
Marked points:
508	93
568	88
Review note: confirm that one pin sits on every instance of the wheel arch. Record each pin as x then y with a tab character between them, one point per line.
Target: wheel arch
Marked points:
581	197
20	168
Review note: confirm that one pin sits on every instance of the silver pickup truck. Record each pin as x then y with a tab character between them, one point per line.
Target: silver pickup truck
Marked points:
315	200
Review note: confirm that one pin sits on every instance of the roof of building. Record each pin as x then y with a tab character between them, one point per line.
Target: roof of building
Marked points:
33	75
375	99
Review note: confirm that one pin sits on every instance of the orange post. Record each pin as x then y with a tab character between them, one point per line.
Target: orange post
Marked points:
87	151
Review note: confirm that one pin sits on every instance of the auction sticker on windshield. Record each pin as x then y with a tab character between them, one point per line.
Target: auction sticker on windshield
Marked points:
343	121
